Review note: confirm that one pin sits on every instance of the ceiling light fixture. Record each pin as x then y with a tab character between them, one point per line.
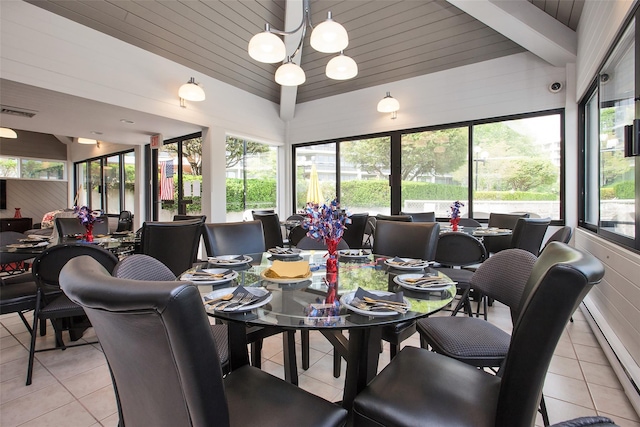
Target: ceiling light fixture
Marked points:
8	133
389	104
190	91
87	141
327	37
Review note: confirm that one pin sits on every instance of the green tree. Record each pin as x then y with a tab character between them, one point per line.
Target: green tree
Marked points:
235	150
529	174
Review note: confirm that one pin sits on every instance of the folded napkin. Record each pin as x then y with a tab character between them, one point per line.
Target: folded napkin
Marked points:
361	293
288	270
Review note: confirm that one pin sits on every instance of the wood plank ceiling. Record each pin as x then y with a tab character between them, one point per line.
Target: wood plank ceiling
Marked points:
389	39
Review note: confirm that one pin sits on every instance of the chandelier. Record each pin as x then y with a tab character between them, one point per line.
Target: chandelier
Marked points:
327	37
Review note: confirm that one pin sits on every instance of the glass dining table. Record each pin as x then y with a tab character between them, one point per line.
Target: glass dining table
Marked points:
299	304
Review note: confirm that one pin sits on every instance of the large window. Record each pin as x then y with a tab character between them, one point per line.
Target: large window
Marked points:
610	178
251	184
511	164
24	168
106	183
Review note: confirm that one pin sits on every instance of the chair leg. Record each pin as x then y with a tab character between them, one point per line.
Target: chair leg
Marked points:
256	353
543	411
24	320
337	361
393	350
34	331
304	341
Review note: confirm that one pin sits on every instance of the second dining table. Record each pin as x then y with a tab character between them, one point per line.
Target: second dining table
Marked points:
294	304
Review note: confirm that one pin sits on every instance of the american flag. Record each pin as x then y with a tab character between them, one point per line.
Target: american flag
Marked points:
166	180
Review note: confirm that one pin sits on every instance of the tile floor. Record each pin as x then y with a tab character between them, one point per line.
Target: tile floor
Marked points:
72	388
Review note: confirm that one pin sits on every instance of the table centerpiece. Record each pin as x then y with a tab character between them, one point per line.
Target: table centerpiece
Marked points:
87	217
455	214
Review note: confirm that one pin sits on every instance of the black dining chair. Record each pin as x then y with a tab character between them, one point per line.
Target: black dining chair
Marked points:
400	218
421	216
563	234
529	233
55	306
164	363
125	221
271	228
175	243
354	232
469	222
308	243
202	218
496	244
420	387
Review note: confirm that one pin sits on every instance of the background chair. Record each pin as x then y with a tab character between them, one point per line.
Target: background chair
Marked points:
202	218
72	226
414	240
354	232
175	244
369	231
125	221
469	222
495	244
456	250
421	216
529	233
308	243
164	362
296	234
401	218
234	238
53	305
271	228
420	387
563	234
144	267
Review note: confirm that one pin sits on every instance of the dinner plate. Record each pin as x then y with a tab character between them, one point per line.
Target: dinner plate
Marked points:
206	280
258	292
347	298
285	252
418	266
354	253
284	279
230	260
439	283
28	245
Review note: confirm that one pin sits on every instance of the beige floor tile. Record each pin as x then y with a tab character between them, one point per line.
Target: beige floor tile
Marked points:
110	421
566	366
584	338
8	341
13	353
33	405
565	349
101	403
600	374
318	342
322	370
612	401
72	361
14	368
87	382
316	387
15	387
71	415
560	410
567	389
4	332
273	368
590	354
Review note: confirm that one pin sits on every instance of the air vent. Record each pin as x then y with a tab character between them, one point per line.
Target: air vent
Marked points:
5	109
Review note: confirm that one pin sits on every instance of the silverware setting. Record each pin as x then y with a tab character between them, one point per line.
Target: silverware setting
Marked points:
372	305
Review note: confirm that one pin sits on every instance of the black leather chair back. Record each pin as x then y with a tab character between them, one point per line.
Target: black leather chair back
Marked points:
172	375
271	228
125	221
354	232
458	249
175	244
496	244
308	243
421	216
202	218
234	238
560	279
529	233
563	234
72	226
401	218
469	222
406	239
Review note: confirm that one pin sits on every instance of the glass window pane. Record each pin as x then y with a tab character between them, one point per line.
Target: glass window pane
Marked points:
516	166
252	170
129	182
95	182
111	172
435	170
167	181
617	110
42	169
192	175
311	161
8	167
364	175
82	184
592	148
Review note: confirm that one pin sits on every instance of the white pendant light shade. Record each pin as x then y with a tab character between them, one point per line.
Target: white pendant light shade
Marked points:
329	36
87	141
388	104
8	133
267	47
290	74
191	91
342	67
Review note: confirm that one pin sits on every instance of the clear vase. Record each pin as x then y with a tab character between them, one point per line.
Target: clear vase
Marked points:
332	270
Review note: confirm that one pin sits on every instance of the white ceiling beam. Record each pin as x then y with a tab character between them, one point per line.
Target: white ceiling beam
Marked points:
526	25
293	15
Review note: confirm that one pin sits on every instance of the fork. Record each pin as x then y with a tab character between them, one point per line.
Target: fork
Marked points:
244	301
233	300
